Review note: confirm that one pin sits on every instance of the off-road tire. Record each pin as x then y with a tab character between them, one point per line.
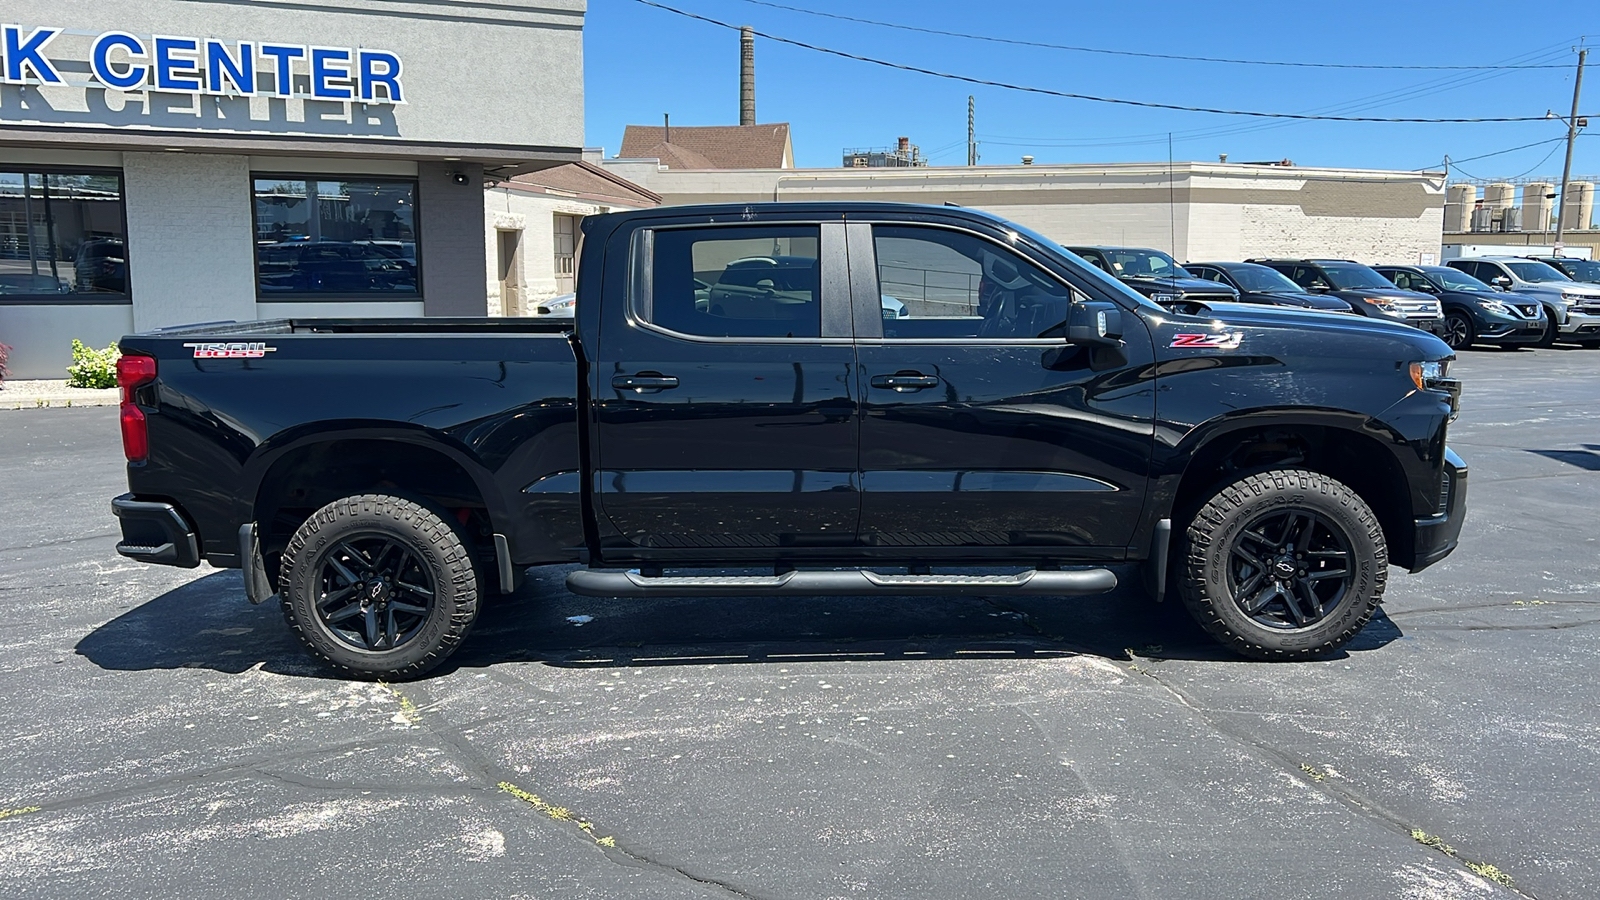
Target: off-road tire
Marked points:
437	546
1207	547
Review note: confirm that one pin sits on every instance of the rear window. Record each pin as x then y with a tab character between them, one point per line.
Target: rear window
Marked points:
760	281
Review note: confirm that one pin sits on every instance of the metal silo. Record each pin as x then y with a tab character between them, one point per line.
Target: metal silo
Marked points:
1538	205
1459	199
1580	206
1499	197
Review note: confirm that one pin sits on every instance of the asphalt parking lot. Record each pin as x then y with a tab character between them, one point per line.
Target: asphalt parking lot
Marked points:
165	738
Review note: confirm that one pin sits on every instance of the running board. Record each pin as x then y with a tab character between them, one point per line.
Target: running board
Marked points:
1032	583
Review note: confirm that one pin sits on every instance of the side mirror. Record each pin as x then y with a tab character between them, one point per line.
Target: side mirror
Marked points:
1094	323
1501	282
1318	289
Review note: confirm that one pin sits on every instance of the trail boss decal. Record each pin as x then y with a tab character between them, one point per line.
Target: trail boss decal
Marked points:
1227	340
231	351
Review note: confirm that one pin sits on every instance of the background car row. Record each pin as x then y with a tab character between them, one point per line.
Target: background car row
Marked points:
1498	300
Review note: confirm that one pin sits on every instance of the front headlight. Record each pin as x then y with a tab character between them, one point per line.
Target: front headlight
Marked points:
1570	298
1165	298
1384	304
1426	374
563	306
1495	306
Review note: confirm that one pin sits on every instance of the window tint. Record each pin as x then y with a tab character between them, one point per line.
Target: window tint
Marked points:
760	281
1536	272
954	285
1307	277
335	237
1209	274
62	235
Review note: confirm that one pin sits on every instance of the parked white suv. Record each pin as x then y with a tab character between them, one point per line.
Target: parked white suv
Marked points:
1573	307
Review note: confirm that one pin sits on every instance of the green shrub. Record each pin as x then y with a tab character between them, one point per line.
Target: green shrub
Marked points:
5	353
92	368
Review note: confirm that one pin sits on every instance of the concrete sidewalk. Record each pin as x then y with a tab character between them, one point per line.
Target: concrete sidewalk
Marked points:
52	392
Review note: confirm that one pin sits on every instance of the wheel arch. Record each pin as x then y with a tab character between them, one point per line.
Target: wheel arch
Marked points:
290	477
1341	445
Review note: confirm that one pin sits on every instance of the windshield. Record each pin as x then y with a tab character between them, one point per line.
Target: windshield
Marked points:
1536	271
1582	269
1349	277
1262	279
1455	279
1144	264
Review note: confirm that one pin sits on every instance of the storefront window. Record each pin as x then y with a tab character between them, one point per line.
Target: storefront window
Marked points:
327	238
62	236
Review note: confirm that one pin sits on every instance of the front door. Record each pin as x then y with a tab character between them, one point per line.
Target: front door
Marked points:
727	427
984	431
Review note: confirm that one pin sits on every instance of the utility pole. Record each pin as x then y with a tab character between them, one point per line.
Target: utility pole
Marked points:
1566	170
972	138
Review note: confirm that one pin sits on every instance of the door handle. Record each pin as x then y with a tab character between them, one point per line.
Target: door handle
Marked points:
905	382
644	382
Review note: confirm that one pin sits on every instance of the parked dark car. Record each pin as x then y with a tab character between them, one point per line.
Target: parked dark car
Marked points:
1587	270
334	267
1367	292
101	266
1270	466
1155	275
1474	312
1573	307
1264	284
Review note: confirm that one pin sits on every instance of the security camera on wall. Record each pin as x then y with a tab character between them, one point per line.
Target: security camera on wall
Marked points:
460	178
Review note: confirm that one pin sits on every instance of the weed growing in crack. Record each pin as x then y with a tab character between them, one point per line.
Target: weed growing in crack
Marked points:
409	713
8	813
558	813
1483	870
1316	774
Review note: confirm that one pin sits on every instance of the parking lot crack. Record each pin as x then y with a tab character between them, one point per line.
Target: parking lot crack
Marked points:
1363	805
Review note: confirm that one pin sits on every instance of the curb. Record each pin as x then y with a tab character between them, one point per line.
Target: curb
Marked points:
53	394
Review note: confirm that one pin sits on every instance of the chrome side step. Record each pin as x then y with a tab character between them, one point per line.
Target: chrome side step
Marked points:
1032	583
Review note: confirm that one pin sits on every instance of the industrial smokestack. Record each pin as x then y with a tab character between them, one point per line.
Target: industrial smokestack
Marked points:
747	76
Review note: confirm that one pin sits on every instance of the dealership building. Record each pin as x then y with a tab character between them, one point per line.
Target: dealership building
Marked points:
167	162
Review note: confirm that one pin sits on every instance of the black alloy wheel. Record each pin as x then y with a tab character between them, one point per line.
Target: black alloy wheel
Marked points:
379	586
1285	564
1289	568
373	592
1457	331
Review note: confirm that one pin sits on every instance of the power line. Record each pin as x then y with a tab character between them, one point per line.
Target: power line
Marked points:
1452	163
1171	56
1072	96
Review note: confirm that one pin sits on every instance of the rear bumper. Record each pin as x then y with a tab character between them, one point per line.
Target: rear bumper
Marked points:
154	531
1435	537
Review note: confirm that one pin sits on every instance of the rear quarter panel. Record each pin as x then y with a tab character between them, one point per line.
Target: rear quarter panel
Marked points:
503	406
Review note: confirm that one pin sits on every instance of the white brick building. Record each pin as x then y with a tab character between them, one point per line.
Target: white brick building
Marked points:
1220	211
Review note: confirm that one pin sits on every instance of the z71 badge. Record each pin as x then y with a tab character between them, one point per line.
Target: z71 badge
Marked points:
1227	340
235	350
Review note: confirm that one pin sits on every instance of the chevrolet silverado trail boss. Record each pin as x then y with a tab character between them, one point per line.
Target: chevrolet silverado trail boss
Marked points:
1021	425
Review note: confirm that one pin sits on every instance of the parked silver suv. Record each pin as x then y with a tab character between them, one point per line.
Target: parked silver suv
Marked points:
1572	307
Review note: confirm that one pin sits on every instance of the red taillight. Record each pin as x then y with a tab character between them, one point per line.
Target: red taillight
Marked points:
133	371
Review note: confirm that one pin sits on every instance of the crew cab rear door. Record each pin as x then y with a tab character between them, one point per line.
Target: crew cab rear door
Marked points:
726	425
983	427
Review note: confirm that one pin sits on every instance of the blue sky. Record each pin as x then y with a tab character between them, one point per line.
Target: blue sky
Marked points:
641	62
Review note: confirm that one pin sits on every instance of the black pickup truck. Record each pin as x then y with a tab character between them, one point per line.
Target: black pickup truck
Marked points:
739	410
